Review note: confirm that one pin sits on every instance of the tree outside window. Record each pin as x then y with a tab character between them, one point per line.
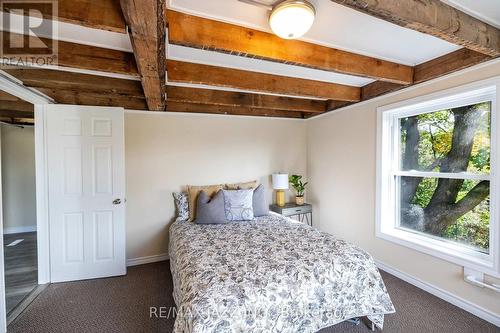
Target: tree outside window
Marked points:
444	187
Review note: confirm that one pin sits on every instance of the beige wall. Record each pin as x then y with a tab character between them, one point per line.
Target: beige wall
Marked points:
18	176
342	171
166	152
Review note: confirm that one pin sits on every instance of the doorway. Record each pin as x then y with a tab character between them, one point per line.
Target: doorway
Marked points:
24	259
19	212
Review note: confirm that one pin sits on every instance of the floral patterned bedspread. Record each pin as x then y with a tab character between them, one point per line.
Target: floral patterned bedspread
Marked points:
270	275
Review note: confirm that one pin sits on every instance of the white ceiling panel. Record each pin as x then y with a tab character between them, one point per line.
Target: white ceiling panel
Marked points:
335	26
69	32
485	10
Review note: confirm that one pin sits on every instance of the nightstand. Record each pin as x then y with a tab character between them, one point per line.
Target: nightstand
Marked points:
303	213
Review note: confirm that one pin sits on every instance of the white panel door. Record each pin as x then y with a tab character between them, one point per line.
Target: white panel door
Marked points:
86	182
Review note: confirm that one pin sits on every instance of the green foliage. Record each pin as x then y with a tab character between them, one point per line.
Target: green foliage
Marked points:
481	159
297	184
424	193
472	228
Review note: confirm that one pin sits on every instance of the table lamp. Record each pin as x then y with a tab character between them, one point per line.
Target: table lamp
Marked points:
280	184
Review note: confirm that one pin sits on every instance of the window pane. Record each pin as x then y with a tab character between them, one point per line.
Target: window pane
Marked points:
451	209
451	140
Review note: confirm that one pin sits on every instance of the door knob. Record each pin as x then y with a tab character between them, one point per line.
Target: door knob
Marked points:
117	202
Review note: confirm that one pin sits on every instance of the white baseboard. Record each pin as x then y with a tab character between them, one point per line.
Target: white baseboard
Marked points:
443	294
147	260
17	230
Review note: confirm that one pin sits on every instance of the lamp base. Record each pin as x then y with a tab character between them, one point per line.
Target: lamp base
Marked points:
280	198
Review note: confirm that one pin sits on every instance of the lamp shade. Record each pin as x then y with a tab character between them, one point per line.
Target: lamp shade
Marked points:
280	181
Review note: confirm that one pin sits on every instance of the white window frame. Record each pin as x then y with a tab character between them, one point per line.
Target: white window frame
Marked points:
388	141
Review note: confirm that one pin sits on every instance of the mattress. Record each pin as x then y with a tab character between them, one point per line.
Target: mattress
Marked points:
270	275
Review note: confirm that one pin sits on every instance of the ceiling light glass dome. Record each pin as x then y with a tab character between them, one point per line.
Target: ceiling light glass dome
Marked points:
292	18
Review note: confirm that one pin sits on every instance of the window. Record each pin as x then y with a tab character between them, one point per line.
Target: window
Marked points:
437	179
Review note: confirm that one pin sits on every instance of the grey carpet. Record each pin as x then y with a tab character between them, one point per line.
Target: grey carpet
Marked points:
122	305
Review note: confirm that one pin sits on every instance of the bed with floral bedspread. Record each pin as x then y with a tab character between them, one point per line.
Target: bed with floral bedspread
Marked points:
270	275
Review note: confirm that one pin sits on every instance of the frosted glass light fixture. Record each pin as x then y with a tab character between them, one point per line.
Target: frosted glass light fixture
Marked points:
291	19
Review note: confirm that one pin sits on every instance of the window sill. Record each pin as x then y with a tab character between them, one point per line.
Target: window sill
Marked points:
447	251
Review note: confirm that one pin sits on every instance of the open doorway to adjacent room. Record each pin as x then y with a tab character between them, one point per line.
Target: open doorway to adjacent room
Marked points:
18	202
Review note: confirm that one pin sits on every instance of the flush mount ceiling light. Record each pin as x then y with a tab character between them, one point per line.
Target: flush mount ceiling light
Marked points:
291	19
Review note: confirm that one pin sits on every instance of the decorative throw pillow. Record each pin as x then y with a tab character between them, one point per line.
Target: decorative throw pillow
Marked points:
193	192
259	202
242	186
210	211
181	206
238	205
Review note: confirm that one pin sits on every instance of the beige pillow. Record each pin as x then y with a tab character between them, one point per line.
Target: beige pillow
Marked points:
242	186
193	192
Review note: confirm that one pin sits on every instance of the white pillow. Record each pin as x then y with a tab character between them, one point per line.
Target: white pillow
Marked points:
238	205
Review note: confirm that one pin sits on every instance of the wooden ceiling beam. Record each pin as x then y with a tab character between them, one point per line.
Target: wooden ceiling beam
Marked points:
146	22
197	32
19	121
332	105
9	113
426	71
82	89
378	88
95	58
4	96
17	106
95	98
447	64
434	17
11	106
97	14
192	73
429	70
232	110
241	99
87	57
54	79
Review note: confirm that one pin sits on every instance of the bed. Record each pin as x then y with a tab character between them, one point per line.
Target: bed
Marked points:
270	275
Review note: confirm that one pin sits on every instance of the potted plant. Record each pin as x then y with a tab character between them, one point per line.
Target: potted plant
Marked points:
299	187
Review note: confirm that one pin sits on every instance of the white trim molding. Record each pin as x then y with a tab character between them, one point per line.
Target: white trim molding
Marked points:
147	259
3	309
15	87
389	172
42	195
441	293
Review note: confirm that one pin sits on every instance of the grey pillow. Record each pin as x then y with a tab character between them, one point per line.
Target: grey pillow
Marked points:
181	206
210	211
238	204
259	202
